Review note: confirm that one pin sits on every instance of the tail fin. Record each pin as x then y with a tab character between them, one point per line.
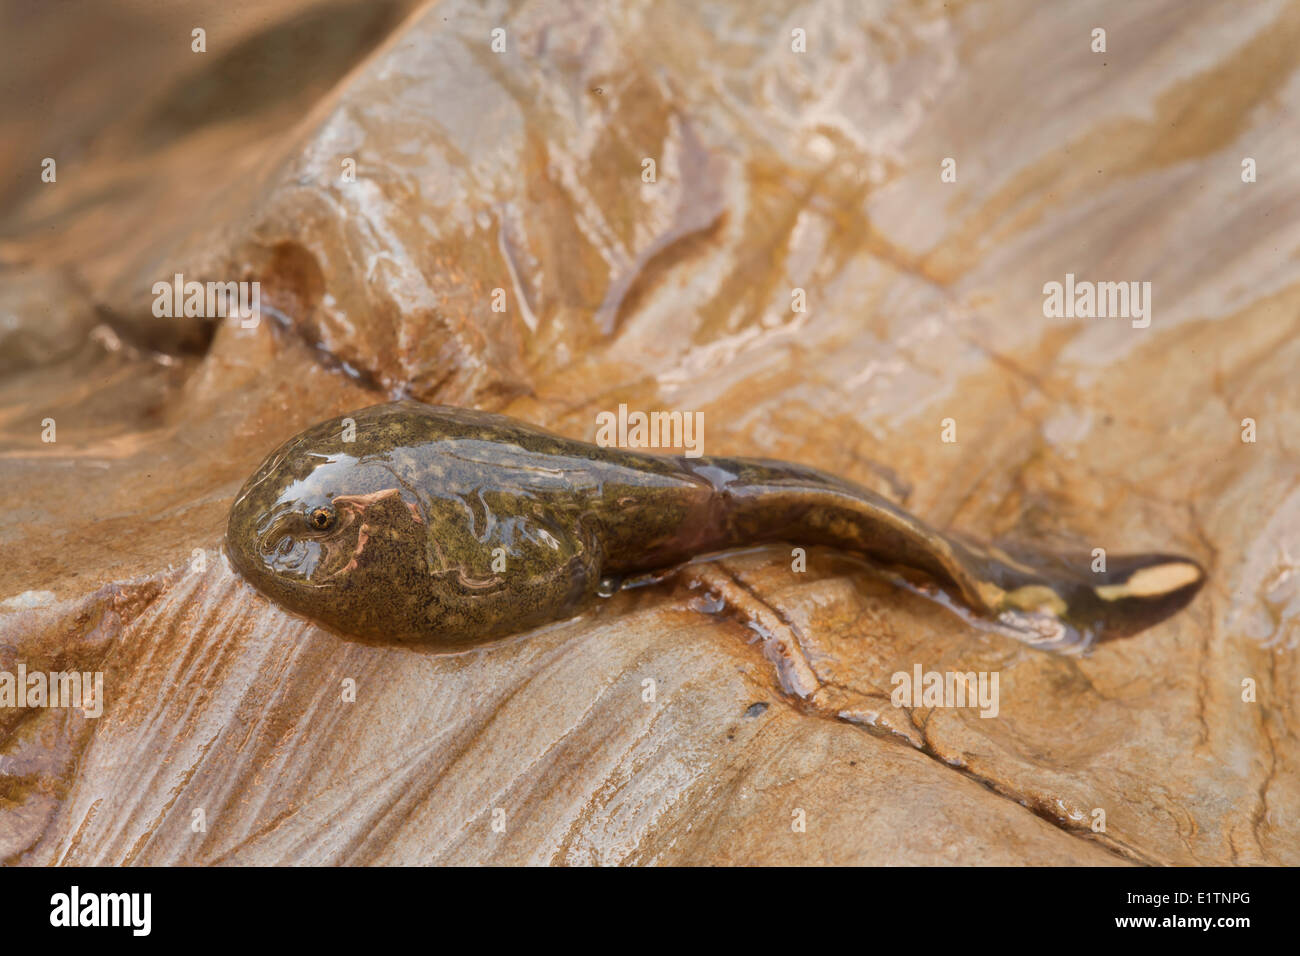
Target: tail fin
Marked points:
1058	602
1044	599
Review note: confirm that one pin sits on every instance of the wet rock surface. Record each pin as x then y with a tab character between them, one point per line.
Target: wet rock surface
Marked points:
771	736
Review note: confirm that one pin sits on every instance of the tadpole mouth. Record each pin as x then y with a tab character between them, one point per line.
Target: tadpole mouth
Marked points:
263	545
284	548
273	531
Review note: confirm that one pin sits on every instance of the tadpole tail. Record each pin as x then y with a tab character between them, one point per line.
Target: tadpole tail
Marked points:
1071	602
1058	602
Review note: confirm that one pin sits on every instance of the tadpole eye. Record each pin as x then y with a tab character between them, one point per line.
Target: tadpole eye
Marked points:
321	519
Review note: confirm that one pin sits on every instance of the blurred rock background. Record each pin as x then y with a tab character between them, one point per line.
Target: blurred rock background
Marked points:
775	170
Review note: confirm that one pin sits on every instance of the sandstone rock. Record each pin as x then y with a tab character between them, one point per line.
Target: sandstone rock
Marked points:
775	171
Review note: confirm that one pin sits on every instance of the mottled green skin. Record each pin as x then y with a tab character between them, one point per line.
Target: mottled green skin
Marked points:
457	526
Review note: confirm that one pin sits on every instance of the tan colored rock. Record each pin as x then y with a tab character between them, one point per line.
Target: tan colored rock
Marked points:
774	171
43	318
